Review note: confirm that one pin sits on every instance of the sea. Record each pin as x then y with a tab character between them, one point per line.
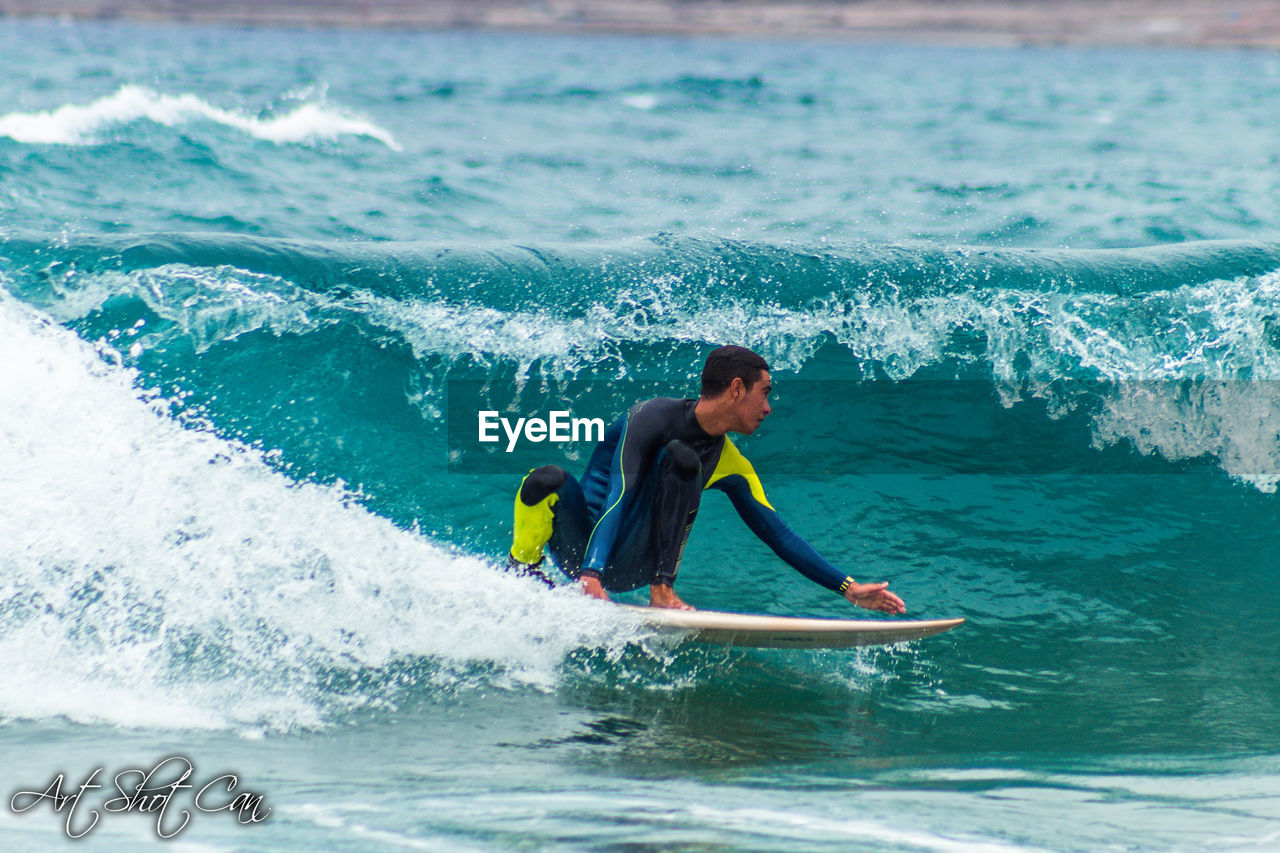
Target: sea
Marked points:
260	287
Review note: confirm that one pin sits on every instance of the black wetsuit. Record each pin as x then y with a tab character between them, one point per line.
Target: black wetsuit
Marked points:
629	518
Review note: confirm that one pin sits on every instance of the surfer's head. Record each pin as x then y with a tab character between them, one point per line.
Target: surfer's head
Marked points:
736	382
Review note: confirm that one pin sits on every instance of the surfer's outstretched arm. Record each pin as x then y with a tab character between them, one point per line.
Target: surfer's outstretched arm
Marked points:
735	477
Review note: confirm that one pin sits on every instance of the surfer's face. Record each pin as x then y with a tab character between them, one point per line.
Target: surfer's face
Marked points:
752	407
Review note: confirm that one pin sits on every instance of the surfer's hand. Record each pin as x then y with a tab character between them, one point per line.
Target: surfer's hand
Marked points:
591	586
874	596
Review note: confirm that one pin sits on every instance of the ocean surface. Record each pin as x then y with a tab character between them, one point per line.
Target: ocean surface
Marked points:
1023	313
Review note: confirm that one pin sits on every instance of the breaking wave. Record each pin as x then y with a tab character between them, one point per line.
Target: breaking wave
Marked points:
76	124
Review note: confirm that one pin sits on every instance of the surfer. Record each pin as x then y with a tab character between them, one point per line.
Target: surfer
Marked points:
626	523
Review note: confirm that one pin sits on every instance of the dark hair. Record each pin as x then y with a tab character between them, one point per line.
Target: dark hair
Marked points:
727	363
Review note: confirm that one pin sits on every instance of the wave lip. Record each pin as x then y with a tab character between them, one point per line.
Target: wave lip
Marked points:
73	124
1172	352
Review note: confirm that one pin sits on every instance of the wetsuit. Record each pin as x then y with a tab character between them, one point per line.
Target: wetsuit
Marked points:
628	520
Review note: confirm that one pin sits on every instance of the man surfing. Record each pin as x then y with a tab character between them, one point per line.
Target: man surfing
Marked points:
626	523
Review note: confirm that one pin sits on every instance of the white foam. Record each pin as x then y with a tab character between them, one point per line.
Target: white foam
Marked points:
847	831
735	813
641	101
1139	352
1232	422
74	124
159	576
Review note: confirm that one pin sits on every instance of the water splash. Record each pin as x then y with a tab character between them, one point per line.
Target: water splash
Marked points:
156	574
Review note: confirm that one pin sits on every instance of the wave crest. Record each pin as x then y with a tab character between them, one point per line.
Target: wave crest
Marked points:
1109	337
74	124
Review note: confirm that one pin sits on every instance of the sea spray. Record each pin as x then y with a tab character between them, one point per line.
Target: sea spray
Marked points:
159	575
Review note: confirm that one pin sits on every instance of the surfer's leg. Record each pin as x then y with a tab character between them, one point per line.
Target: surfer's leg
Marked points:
657	530
534	520
679	494
572	529
550	514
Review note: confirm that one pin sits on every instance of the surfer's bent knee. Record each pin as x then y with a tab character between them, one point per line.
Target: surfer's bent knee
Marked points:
542	482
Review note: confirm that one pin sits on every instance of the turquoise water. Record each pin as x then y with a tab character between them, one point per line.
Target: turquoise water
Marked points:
1023	309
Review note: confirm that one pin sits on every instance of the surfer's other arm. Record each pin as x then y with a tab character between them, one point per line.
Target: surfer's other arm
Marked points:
735	477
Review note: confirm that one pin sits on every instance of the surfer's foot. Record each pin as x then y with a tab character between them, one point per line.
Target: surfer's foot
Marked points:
662	595
528	570
592	585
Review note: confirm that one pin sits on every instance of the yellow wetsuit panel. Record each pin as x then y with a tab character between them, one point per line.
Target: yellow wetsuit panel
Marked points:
733	462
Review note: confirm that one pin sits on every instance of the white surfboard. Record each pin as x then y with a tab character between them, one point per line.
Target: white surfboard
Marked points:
786	632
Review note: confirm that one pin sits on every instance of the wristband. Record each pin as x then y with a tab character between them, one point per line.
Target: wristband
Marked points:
844	587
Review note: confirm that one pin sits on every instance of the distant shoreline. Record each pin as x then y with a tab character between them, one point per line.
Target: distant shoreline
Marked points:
1004	23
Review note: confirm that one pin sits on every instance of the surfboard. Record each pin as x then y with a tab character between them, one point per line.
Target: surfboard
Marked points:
786	632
